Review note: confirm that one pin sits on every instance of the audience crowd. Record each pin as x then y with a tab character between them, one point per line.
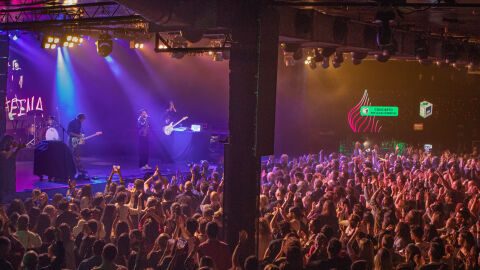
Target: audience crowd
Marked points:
367	211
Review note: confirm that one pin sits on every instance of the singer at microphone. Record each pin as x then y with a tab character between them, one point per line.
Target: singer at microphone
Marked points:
143	124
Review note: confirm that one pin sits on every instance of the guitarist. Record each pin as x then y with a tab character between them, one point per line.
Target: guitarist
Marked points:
171	113
143	124
75	130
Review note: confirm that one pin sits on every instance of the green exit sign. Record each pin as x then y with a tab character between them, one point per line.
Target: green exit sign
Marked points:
378	111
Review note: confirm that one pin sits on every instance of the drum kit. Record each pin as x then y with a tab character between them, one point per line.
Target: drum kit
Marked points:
35	127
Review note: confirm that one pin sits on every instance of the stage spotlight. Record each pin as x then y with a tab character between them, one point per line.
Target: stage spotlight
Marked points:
217	57
386	53
70	40
136	45
50	42
104	45
178	42
325	62
328	51
317	56
69	2
290	47
298	54
308	60
357	57
294	49
15	37
382	58
337	59
288	58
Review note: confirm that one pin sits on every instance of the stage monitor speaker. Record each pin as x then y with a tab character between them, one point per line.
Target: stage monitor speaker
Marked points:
54	159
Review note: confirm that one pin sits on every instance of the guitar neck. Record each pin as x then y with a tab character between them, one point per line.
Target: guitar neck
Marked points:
91	136
178	122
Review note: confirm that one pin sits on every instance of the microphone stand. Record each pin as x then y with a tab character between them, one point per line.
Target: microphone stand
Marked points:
63	130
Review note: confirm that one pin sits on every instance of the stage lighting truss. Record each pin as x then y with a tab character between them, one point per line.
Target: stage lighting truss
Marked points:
70	14
217	45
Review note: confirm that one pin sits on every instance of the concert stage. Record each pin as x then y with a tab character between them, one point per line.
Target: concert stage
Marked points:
98	168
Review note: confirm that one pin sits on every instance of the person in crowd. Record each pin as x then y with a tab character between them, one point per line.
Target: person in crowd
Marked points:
217	250
109	254
4	251
29	239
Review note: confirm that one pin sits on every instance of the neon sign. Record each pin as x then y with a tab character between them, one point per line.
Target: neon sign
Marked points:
360	123
16	107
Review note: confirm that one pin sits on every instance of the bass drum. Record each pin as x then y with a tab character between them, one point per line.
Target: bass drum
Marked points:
52	134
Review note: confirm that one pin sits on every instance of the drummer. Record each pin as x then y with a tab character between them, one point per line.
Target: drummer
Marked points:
50	121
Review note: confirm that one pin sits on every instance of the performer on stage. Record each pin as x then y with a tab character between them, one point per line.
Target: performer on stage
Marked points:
75	130
143	124
171	114
8	154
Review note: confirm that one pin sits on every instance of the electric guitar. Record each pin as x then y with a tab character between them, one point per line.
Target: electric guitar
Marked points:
168	129
75	141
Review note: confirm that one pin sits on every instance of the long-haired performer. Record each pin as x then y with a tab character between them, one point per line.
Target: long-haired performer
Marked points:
143	124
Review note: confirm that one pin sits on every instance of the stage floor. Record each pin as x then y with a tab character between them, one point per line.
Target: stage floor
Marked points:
98	169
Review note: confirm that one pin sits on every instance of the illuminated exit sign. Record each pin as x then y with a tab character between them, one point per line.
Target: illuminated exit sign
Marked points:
378	111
